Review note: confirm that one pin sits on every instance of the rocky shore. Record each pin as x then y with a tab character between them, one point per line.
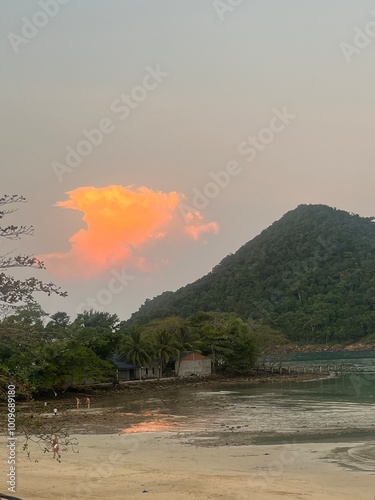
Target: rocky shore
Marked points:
310	348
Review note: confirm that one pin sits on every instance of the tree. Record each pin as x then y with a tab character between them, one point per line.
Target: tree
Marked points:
165	348
98	331
211	329
240	350
136	348
266	338
20	292
228	340
98	319
67	364
186	341
29	316
177	334
15	291
60	319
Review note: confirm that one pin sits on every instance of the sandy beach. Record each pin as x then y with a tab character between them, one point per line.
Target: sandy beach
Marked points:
156	465
198	443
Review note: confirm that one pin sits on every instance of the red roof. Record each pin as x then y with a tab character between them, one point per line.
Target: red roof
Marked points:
193	356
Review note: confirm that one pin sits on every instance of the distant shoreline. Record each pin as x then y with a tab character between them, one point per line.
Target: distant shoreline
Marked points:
311	348
151	386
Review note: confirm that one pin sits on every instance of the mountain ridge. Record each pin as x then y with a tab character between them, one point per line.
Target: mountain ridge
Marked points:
296	275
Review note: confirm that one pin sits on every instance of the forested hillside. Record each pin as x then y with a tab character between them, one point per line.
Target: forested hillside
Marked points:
311	275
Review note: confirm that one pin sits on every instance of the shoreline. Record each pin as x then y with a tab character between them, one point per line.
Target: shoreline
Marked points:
159	385
318	348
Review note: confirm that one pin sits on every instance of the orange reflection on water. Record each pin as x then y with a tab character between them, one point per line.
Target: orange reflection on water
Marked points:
151	426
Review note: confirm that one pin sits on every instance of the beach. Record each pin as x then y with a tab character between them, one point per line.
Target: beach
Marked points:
159	465
302	439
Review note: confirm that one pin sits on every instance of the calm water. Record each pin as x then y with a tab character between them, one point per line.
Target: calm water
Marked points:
338	409
332	404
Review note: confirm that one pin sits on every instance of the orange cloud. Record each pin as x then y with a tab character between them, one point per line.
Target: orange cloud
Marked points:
120	223
196	225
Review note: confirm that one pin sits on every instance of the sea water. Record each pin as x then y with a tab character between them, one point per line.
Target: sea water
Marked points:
338	403
336	409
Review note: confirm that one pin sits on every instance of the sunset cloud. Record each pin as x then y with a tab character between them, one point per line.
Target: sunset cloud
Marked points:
122	223
196	225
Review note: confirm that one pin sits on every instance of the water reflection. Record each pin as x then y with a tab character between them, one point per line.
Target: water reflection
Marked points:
151	426
307	408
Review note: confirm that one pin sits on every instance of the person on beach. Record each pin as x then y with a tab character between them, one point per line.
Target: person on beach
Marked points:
78	402
55	412
56	448
88	402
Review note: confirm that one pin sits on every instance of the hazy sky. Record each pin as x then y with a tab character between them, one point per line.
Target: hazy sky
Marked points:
258	105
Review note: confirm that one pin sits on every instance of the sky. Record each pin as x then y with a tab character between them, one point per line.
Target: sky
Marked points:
151	138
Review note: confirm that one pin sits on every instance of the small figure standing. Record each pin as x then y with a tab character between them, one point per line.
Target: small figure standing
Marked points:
55	412
78	402
88	402
56	448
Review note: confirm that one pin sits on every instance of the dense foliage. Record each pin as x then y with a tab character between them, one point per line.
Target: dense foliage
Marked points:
15	292
56	355
310	275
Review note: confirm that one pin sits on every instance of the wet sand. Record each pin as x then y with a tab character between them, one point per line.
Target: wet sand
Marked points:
166	465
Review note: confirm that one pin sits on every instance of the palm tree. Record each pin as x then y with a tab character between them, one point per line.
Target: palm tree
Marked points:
185	341
137	349
165	347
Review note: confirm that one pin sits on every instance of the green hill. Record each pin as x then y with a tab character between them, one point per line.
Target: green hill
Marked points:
311	275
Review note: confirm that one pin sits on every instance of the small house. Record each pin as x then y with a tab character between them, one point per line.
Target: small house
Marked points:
127	371
193	363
